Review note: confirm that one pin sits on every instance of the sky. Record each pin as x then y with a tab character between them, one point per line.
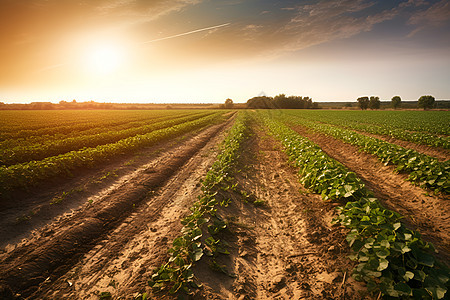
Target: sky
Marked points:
205	51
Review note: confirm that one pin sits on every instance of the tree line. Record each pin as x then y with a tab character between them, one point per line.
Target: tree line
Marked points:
425	102
281	101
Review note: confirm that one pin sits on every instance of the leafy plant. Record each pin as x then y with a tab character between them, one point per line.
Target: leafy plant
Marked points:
47	146
423	169
31	173
393	259
201	227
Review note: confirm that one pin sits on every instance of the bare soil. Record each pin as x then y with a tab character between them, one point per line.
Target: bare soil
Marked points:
30	267
283	249
423	211
286	248
27	210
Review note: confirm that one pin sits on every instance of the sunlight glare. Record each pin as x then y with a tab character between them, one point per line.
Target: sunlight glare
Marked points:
104	58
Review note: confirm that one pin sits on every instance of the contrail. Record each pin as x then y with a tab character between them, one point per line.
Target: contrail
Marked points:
51	67
186	33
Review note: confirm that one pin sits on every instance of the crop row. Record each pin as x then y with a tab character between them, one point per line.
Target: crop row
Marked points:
200	228
51	147
433	122
417	137
25	124
102	127
30	173
392	259
423	169
14	121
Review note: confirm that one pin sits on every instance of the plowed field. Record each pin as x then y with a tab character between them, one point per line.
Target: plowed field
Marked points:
101	233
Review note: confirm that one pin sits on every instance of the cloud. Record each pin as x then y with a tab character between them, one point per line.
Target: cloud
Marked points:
413	3
434	16
328	20
324	21
147	10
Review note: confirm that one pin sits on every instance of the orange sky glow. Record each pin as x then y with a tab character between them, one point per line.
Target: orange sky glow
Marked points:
199	51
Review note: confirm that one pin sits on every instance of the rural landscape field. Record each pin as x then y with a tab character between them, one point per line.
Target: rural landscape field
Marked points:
224	204
224	149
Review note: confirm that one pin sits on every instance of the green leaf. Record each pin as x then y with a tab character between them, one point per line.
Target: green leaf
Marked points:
385	244
419	275
403	288
412	263
383	253
437	292
197	254
384	263
175	288
425	259
349	190
443	278
420	294
440	292
365	219
196	234
405	249
408	275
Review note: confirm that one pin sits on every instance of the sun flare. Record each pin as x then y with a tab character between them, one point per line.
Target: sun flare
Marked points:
104	58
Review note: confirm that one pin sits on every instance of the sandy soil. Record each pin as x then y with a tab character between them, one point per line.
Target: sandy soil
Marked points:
425	212
284	248
31	268
39	206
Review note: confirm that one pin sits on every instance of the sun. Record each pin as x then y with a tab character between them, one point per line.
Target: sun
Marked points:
104	59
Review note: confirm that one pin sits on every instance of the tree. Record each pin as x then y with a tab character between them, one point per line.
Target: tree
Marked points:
363	102
281	101
228	103
374	102
396	102
426	102
260	102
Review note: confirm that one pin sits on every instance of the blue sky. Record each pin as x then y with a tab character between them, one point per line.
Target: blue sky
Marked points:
210	50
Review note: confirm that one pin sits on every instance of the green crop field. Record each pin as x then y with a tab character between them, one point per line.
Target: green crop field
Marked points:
268	198
38	145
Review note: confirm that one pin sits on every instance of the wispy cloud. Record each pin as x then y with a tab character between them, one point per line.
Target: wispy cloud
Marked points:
433	16
143	9
329	20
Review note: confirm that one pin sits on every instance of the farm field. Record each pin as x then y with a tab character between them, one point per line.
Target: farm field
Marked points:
221	204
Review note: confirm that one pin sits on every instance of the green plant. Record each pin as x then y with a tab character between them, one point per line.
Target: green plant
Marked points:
201	227
392	259
33	172
423	169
